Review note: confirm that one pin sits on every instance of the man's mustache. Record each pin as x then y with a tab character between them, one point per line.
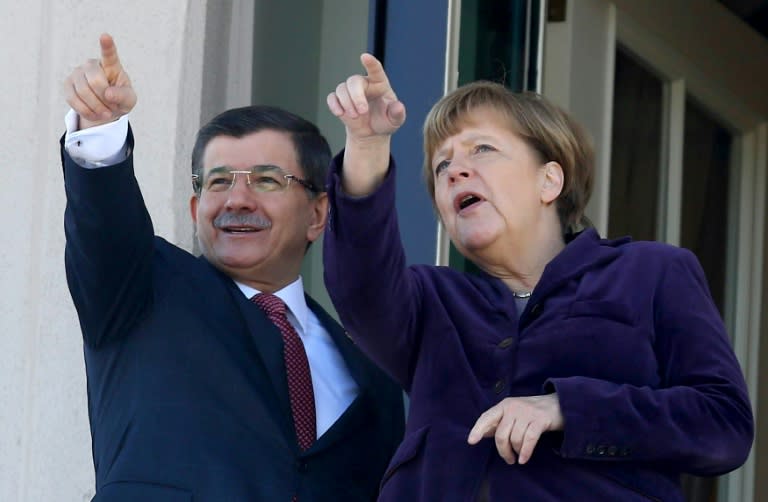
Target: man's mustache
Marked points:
241	220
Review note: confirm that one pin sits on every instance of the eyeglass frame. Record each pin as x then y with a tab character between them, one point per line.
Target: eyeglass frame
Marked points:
198	187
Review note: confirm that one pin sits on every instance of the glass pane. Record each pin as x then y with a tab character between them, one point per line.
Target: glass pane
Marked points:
635	150
706	168
492	42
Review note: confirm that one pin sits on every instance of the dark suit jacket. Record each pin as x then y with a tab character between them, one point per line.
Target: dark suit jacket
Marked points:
187	394
625	332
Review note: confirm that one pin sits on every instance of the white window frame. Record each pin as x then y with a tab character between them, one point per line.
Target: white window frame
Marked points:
578	74
744	250
240	54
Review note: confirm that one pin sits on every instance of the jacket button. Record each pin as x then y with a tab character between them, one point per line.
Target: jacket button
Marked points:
498	387
506	343
601	450
590	449
535	310
625	452
612	451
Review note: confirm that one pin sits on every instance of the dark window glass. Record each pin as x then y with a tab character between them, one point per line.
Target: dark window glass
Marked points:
635	150
704	218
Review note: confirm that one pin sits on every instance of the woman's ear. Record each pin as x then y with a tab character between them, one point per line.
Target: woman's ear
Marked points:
554	180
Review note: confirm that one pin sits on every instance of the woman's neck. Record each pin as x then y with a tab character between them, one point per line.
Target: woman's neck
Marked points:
520	264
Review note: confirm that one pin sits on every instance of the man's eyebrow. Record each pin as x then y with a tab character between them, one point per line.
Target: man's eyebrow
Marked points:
219	169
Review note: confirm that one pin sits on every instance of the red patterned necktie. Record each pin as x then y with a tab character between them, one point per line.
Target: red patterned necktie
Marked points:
300	391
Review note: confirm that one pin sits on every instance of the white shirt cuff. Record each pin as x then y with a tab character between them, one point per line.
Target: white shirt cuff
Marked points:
98	146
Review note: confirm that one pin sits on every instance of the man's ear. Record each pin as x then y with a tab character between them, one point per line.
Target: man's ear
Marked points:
554	180
193	201
319	216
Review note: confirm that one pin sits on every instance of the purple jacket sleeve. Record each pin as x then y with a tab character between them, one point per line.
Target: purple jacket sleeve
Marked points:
700	417
366	275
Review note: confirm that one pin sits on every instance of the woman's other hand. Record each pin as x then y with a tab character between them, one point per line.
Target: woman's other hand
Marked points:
517	423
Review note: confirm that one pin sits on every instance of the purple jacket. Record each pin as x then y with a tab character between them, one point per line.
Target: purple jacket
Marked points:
625	332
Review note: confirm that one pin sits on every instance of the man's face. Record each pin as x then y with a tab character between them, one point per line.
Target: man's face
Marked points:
257	238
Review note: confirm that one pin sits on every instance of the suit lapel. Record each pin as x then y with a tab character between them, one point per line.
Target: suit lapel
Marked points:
268	343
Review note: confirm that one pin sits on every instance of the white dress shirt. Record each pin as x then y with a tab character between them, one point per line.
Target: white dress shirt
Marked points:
334	387
98	146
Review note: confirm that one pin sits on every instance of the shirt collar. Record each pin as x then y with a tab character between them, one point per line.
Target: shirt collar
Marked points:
292	295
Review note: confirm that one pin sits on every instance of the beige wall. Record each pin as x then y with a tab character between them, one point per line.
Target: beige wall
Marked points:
44	440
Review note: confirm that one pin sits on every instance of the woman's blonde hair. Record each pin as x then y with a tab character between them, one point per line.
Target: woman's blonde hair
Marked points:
543	126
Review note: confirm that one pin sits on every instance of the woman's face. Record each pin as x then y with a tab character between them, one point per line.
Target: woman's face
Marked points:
491	188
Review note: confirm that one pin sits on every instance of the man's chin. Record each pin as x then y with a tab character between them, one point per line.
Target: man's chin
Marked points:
239	263
231	262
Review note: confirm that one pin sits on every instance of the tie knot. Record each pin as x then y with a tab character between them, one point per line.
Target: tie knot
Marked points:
270	304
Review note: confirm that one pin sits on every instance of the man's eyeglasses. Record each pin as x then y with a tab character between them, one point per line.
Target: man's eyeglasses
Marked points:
262	178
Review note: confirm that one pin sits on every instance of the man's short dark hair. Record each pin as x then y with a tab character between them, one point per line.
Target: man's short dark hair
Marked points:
312	150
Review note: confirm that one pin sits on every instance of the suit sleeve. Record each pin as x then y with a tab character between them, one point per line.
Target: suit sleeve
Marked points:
364	265
109	247
699	420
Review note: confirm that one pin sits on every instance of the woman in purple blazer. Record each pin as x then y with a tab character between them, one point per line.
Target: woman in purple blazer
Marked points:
571	367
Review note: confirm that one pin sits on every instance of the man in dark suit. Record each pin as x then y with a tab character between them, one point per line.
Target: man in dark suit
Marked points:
214	378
